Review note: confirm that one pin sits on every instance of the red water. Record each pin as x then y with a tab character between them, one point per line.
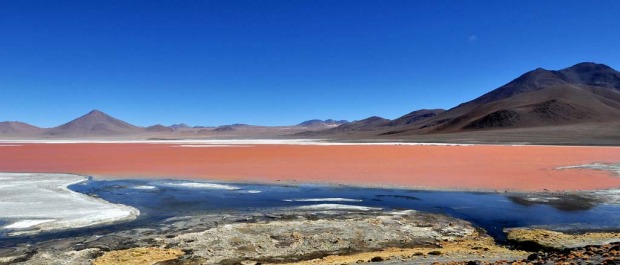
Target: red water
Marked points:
435	167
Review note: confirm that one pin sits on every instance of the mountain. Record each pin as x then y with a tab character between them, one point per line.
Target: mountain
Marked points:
179	126
581	94
593	74
323	123
225	128
371	123
415	116
232	127
583	74
575	105
376	123
158	128
94	123
18	128
585	92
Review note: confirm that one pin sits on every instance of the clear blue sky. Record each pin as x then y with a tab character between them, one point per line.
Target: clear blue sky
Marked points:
281	62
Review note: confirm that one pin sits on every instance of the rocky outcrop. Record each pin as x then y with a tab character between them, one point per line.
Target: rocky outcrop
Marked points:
294	236
303	238
547	239
138	256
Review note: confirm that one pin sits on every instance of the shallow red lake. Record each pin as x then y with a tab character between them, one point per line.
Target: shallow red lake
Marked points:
437	167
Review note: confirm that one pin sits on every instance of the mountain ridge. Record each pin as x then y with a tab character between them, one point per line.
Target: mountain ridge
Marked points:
580	94
99	124
94	122
583	95
318	122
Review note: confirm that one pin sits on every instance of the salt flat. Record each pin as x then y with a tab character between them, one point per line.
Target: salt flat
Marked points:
217	142
38	202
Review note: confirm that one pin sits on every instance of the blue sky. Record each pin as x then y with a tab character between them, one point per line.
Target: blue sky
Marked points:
281	62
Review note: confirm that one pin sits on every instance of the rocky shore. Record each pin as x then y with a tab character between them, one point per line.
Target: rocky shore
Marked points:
317	237
274	237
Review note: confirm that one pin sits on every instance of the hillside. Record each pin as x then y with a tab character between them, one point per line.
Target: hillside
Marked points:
14	128
586	95
94	123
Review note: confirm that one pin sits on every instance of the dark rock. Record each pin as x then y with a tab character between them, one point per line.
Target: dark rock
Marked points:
25	257
533	257
376	259
79	246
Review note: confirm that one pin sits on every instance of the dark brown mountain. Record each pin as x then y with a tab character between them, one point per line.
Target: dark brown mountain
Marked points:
416	116
18	128
583	93
94	123
587	74
368	124
377	123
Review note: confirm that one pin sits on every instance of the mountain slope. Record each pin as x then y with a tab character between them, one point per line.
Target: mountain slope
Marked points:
583	93
583	99
323	123
416	116
368	124
555	105
179	126
18	128
158	128
94	123
588	74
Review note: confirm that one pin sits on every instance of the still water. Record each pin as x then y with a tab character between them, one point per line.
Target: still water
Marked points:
161	199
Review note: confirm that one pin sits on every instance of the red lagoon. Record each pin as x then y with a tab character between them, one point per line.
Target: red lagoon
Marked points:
479	167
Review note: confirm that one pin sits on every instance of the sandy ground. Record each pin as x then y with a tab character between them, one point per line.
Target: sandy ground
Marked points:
478	167
33	203
138	256
558	240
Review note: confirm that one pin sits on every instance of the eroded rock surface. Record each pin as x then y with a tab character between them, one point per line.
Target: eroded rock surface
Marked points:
138	256
556	240
313	237
300	239
286	236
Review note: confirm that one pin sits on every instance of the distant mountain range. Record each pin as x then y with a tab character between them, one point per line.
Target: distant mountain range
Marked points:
586	93
330	122
18	128
99	124
575	103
